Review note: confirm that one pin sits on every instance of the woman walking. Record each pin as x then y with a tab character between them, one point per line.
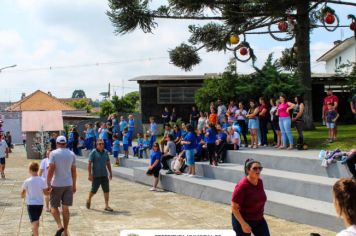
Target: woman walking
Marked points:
298	120
285	121
253	123
248	201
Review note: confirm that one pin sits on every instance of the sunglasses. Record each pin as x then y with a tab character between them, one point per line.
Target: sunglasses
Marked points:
260	168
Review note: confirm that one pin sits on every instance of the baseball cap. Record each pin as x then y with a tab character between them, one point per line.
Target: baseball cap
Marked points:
61	139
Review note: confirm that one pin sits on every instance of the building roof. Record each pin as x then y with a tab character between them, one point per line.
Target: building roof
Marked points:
172	77
40	101
337	49
4	105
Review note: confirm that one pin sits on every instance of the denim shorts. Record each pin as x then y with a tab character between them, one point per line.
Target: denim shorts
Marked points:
116	154
253	124
100	181
126	147
330	125
189	157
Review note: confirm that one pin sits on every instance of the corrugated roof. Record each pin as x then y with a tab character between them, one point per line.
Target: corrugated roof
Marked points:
39	101
337	49
171	77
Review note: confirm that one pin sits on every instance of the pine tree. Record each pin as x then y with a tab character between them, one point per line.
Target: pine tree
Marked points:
238	19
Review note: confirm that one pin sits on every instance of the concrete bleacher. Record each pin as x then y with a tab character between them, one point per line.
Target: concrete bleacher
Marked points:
297	187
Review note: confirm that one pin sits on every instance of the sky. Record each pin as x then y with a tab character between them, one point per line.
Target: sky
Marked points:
60	46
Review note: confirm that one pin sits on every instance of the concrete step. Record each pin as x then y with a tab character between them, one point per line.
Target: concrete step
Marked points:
304	185
306	162
281	205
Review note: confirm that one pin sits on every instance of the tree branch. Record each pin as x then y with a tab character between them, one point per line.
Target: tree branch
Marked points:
341	2
189	17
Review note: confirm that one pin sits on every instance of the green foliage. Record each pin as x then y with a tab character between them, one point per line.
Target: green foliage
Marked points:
184	56
78	93
81	104
134	98
268	81
288	60
106	108
122	104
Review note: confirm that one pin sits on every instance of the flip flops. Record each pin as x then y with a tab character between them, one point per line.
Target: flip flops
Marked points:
108	209
59	232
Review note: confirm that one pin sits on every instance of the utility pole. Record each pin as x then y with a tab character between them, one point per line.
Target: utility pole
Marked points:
109	91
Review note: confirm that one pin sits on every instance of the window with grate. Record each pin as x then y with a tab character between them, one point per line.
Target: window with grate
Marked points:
176	95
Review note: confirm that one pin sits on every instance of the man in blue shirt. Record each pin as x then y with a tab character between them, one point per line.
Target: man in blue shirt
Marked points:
98	167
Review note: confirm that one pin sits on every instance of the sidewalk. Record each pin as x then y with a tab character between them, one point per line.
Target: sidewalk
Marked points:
135	208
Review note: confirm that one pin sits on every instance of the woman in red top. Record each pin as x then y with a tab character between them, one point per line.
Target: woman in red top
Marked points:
248	201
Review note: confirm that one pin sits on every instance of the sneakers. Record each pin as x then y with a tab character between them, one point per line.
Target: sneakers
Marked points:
191	175
169	172
117	164
153	189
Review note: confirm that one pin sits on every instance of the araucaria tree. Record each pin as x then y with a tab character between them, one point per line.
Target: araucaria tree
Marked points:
231	22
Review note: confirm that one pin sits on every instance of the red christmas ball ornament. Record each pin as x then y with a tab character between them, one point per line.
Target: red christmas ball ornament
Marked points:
329	18
353	26
243	51
282	26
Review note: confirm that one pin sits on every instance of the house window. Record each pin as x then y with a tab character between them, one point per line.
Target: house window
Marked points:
176	95
336	63
339	60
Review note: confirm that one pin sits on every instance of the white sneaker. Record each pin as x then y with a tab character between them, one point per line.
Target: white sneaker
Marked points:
153	189
185	174
191	175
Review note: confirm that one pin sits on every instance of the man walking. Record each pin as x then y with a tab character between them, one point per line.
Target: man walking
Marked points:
98	167
61	182
4	153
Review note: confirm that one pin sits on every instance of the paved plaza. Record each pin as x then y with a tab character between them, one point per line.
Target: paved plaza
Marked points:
134	208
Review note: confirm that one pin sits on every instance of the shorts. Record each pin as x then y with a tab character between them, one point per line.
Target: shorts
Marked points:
253	124
189	157
154	172
61	196
330	125
97	181
2	160
116	154
126	147
34	212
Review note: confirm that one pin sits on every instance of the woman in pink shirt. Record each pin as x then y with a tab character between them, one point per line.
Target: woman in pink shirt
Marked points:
285	121
248	201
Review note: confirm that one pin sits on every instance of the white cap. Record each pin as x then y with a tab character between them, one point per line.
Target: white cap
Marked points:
61	139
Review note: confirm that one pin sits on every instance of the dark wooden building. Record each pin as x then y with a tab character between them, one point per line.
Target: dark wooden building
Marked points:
159	91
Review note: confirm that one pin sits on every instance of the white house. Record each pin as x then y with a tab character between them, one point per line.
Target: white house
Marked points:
342	53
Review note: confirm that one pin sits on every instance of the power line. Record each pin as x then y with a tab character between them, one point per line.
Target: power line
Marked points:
74	66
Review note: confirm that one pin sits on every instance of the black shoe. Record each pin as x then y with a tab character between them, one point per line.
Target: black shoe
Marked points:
169	172
59	232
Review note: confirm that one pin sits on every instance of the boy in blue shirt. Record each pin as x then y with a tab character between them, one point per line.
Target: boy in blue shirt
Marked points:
131	129
153	131
122	126
331	118
116	149
146	145
136	149
125	142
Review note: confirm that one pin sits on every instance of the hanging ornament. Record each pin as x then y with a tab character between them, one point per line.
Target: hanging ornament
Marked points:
353	26
329	18
282	26
234	39
243	51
